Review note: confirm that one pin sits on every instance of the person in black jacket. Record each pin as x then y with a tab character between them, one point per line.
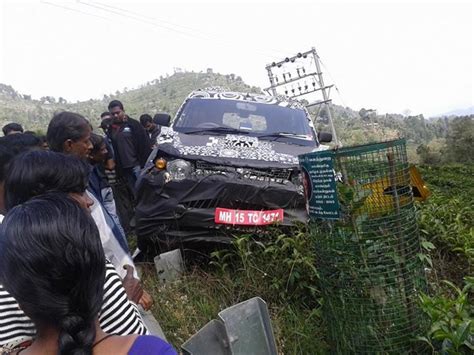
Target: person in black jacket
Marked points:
151	127
131	143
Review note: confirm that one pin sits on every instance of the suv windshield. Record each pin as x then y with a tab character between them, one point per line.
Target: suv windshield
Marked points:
272	122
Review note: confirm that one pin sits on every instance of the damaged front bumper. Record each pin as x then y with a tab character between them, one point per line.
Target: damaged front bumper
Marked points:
183	211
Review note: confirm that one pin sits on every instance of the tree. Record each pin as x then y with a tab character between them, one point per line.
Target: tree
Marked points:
427	154
460	140
362	112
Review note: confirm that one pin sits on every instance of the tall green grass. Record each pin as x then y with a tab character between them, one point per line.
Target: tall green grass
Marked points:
279	267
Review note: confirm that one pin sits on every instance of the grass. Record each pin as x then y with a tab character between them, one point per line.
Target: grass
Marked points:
184	306
280	271
279	267
446	219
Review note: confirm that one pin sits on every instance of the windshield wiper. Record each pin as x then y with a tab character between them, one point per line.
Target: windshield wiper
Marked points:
217	130
277	135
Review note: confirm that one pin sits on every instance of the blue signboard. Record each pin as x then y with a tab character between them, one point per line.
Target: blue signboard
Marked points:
320	184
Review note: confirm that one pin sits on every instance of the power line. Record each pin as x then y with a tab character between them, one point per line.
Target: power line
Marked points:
140	15
194	30
190	32
332	79
131	17
73	10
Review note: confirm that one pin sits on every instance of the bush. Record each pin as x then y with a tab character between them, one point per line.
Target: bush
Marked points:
452	326
278	266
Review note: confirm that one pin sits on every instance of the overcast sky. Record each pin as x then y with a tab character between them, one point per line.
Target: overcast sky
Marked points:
387	56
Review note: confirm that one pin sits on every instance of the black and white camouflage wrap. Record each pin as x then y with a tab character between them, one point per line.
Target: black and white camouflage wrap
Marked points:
228	146
215	93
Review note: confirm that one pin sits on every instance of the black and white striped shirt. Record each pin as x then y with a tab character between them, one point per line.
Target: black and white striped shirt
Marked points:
117	316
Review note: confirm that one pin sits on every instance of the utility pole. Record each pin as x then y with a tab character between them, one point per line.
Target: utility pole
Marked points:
300	76
327	104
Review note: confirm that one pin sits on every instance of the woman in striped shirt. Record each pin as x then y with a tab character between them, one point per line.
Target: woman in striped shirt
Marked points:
55	244
57	172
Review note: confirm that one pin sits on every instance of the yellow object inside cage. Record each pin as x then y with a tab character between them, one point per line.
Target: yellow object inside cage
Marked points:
383	195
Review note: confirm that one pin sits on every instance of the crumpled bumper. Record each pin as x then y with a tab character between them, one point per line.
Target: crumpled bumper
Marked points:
184	210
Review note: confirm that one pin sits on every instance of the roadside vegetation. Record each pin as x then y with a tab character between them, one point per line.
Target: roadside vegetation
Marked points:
279	267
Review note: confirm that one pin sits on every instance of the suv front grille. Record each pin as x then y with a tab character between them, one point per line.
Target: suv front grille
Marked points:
232	204
259	174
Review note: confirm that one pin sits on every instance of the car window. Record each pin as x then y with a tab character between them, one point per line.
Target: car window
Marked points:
252	118
254	123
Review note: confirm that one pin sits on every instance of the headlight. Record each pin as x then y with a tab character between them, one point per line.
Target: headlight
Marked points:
179	169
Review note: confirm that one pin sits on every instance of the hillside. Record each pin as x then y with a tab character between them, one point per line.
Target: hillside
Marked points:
459	112
160	95
165	94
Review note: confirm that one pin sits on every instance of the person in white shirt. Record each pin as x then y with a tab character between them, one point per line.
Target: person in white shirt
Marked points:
70	133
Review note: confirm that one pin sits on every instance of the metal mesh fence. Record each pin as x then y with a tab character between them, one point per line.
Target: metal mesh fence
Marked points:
369	263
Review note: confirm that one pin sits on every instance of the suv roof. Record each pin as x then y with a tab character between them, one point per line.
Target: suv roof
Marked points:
218	93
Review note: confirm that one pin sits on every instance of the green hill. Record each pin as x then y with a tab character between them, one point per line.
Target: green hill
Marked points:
166	94
160	95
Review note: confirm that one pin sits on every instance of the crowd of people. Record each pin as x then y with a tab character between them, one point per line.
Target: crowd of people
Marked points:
68	283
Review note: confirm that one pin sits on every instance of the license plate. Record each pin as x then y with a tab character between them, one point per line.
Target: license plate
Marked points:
247	217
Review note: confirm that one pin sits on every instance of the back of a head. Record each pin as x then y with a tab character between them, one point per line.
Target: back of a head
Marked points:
19	143
56	245
106	123
12	145
105	114
63	126
12	127
6	155
40	171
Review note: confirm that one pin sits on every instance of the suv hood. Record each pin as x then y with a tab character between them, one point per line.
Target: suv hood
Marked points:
232	149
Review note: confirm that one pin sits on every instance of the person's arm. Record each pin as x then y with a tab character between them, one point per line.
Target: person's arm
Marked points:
143	143
114	252
119	315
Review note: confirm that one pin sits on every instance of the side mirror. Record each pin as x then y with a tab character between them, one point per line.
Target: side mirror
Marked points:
324	137
162	119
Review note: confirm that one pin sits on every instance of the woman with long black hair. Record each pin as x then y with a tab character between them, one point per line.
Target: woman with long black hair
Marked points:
53	264
33	174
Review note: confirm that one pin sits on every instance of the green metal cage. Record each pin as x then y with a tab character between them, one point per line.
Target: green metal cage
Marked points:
369	258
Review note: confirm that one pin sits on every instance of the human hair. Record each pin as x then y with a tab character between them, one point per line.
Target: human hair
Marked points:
103	114
40	171
12	145
97	142
6	155
145	118
63	126
12	127
106	123
115	103
53	264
